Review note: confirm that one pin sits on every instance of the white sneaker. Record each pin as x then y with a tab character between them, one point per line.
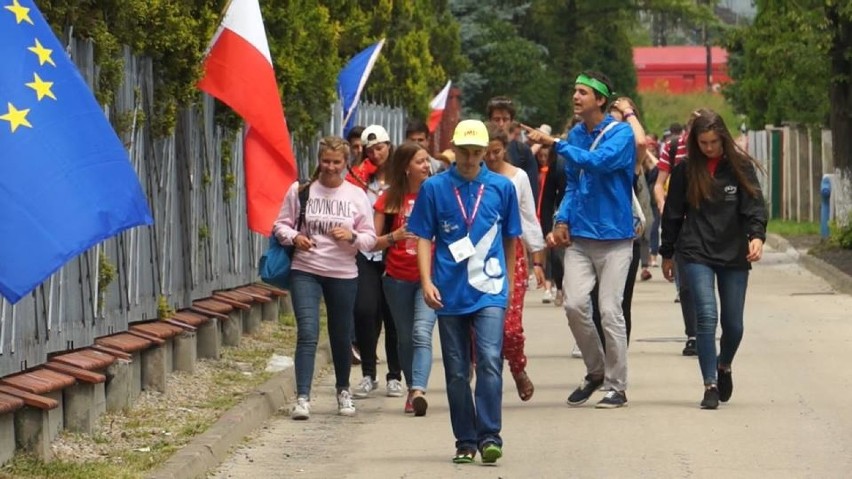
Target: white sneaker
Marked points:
547	297
559	298
345	406
301	410
576	353
395	389
364	388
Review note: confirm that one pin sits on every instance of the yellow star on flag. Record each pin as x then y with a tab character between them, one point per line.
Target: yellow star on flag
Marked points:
41	87
42	53
16	117
22	14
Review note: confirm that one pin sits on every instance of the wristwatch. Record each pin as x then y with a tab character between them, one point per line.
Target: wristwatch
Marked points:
353	238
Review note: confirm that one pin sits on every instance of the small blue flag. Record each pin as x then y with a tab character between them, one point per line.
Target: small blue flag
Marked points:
352	80
65	180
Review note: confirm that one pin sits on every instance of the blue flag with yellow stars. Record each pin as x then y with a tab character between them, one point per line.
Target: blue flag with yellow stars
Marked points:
66	183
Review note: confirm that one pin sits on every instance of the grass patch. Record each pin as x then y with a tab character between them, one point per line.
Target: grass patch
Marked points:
792	228
132	443
659	110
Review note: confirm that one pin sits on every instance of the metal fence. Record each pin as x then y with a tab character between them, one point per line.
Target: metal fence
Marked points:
199	242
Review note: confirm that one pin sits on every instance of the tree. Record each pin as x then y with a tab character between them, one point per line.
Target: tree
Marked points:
794	65
421	52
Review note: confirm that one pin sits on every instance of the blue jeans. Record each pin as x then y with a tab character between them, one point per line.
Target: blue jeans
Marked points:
414	322
306	290
476	421
732	285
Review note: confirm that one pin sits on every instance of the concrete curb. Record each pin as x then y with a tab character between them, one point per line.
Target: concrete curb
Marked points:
208	450
838	280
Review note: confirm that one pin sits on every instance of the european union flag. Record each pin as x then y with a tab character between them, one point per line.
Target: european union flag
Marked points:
65	180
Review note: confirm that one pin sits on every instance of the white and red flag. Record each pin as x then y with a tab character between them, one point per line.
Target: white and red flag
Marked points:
238	71
438	104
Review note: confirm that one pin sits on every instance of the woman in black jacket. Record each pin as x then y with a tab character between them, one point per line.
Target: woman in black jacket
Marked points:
715	219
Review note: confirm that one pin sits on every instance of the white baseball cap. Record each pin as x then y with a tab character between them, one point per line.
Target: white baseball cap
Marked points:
373	135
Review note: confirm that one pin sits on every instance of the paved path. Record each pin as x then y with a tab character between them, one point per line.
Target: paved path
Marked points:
790	415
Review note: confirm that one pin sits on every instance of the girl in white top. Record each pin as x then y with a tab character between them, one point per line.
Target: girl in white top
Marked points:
533	240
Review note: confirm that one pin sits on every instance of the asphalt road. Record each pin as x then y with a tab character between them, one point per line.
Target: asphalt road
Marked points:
790	415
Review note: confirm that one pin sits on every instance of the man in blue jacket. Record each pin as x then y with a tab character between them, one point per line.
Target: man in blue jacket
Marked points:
595	222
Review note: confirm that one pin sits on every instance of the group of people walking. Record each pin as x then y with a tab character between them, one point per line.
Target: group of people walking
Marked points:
397	239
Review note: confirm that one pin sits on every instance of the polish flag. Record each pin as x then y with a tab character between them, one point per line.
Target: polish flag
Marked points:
438	104
238	71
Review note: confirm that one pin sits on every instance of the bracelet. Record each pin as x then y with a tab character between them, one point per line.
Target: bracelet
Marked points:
537	265
628	115
390	238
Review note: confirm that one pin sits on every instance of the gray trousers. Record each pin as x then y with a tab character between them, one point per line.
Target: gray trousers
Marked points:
607	262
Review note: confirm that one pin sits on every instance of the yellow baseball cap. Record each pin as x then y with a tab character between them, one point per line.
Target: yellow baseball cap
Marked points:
470	133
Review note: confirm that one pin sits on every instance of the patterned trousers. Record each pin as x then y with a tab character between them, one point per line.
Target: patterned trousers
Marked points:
513	328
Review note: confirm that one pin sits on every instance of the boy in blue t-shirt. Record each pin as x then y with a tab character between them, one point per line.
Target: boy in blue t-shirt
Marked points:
471	215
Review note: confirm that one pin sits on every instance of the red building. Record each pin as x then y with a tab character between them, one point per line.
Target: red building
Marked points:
679	69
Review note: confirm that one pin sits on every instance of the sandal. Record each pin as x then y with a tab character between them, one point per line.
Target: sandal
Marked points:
464	456
524	385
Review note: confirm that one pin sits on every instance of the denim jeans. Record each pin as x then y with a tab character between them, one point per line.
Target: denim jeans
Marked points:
732	285
476	420
414	322
687	308
306	290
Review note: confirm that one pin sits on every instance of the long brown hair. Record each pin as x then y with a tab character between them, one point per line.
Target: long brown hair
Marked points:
699	183
396	176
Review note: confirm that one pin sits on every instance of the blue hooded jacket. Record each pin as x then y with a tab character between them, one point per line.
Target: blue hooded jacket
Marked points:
598	202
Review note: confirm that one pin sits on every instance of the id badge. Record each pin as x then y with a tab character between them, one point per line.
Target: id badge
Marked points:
462	249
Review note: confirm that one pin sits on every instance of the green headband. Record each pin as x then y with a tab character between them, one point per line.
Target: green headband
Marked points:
594	84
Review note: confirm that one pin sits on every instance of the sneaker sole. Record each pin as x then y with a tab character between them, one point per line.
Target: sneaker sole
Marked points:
420	405
609	406
578	403
394	394
491	453
301	417
346	413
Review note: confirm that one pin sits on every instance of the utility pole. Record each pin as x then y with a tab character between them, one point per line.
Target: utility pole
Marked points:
706	38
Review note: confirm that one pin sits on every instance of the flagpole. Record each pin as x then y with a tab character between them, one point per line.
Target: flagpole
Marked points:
227	6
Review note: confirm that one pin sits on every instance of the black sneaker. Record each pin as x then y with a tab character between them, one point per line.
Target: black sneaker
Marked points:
612	400
689	349
726	385
584	391
711	399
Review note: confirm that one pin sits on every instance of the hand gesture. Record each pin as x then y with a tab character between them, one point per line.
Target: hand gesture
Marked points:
303	243
340	233
538	270
432	296
668	269
538	136
561	235
755	250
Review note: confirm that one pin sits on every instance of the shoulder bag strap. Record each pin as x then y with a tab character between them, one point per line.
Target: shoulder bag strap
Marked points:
603	132
304	194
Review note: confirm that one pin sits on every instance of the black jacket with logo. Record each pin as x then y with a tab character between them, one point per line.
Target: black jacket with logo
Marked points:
718	232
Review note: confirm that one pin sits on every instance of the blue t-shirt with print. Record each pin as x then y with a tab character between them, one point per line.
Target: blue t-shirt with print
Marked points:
479	281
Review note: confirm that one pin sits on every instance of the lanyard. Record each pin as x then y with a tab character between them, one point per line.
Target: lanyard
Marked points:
469	220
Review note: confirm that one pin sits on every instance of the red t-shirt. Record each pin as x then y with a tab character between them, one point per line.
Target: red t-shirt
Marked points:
712	164
400	257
